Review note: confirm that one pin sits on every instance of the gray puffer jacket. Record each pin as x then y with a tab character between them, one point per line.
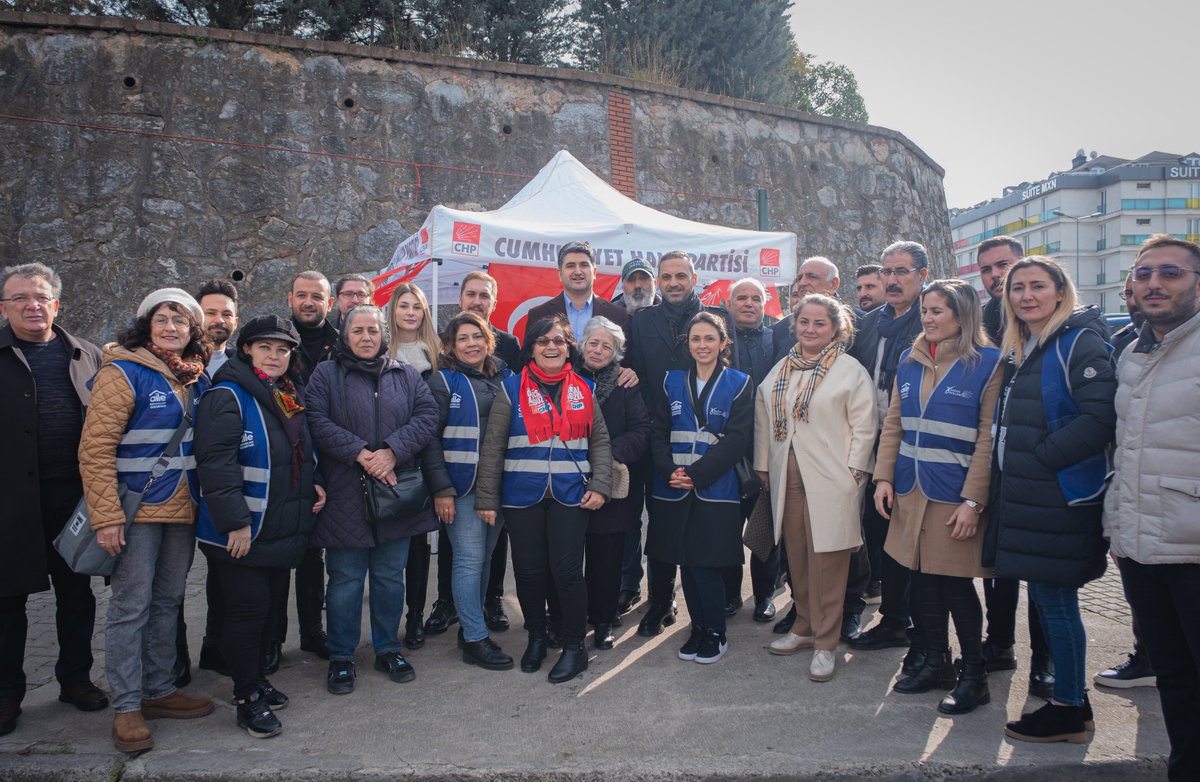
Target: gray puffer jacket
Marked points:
341	428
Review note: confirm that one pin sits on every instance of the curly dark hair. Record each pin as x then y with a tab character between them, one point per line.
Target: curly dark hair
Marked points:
718	323
542	327
447	359
138	333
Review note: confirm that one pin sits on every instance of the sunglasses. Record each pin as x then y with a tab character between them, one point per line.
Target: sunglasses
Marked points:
1168	271
542	342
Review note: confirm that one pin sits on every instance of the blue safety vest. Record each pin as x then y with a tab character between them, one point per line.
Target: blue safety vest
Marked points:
460	438
254	455
690	439
1082	483
157	413
551	467
939	435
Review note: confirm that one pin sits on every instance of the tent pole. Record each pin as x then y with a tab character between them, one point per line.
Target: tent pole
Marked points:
437	265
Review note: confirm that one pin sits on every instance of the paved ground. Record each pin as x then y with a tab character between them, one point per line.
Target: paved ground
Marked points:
638	712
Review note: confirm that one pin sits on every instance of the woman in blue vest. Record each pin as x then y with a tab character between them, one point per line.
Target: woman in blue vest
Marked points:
699	435
465	388
149	383
546	460
1055	421
931	482
370	415
254	457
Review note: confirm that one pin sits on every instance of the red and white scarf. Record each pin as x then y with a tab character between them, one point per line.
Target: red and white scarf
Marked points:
542	420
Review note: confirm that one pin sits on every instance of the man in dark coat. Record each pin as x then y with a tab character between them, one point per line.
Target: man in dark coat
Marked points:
578	302
994	257
816	275
44	374
883	334
656	346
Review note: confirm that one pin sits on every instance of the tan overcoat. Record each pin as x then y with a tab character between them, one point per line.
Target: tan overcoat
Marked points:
837	438
918	537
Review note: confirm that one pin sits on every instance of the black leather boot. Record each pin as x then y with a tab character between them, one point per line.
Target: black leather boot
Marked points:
603	637
535	652
660	615
571	663
486	654
937	672
971	691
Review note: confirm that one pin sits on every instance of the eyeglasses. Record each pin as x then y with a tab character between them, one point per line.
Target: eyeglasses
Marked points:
543	341
358	295
178	321
901	272
20	300
1168	271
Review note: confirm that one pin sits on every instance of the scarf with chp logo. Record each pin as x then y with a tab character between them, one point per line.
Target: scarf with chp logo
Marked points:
542	420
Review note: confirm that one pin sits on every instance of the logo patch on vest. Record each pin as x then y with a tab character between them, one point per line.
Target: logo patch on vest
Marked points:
677	408
575	398
961	393
158	399
717	412
247	440
904	390
455	401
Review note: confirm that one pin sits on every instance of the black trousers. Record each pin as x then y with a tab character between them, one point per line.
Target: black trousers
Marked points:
1164	598
252	596
898	604
938	599
1000	595
416	575
660	580
310	597
763	576
547	546
704	593
495	585
74	609
604	553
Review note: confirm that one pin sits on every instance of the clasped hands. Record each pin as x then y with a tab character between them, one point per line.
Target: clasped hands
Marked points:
379	464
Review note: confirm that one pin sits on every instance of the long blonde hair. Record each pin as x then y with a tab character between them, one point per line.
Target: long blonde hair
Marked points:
1016	333
962	300
426	335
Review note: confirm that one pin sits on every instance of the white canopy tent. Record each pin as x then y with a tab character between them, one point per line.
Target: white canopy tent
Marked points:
566	202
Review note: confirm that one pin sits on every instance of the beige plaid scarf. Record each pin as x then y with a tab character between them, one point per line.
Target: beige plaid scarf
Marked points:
795	361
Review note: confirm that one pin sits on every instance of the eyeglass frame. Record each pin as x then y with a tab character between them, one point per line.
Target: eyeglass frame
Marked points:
1163	272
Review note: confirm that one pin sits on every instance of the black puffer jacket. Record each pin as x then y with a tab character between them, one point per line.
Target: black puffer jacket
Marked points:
629	429
288	519
1034	534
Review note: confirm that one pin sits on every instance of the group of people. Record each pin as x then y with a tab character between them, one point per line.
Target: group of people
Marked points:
892	452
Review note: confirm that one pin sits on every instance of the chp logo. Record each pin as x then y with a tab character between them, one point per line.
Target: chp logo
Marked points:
768	262
465	239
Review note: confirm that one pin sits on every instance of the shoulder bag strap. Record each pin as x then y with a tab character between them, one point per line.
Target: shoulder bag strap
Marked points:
133	500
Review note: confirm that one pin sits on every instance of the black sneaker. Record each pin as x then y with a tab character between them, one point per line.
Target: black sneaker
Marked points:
689	649
441	617
274	698
394	665
317	643
1049	724
712	648
256	717
340	680
1134	672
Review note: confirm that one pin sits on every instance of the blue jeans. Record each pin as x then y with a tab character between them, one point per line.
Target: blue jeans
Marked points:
344	596
473	542
147	590
1058	608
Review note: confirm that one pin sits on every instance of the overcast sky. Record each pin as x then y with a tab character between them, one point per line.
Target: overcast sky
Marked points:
1006	92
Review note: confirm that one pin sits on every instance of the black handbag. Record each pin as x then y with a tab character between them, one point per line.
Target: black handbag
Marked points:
749	485
382	503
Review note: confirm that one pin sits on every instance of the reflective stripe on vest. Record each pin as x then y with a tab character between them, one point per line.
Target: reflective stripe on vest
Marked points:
157	412
533	471
939	435
690	441
460	438
254	455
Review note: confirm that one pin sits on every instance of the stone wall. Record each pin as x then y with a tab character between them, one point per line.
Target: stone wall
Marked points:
137	155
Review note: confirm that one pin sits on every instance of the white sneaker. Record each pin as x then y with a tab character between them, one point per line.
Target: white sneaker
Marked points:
790	644
821	669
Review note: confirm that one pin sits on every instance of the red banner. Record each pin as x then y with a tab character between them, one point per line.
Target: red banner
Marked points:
524	287
717	294
390	280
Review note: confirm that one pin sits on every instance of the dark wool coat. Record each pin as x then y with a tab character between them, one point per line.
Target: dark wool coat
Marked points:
288	519
654	350
692	531
1033	534
23	566
629	429
341	428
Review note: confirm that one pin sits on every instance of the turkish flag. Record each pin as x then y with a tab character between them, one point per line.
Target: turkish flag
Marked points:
521	288
390	280
717	294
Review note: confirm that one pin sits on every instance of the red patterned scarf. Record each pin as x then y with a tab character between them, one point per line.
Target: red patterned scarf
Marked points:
185	370
542	420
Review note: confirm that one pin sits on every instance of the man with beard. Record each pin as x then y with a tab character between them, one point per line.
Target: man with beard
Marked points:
656	346
994	257
638	286
310	301
869	286
351	291
218	302
478	294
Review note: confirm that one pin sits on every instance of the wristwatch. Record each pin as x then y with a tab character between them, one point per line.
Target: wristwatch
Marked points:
975	506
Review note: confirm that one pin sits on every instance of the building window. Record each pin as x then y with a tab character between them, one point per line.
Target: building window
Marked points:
1194	191
1143	221
1143	185
1103	206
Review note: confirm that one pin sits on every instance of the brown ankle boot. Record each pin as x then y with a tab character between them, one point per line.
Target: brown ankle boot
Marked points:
131	733
177	706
